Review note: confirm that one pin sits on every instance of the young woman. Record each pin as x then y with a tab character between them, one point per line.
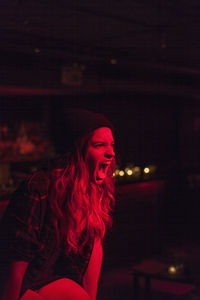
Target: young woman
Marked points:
53	228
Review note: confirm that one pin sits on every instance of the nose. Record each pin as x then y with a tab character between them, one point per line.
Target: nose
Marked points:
110	153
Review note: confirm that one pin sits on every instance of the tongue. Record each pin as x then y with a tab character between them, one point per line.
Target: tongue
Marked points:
102	172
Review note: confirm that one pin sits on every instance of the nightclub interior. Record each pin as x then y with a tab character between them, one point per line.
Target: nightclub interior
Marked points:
137	63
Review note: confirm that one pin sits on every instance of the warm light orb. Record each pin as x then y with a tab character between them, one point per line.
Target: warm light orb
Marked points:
113	61
172	270
116	172
129	172
37	50
146	170
121	173
136	170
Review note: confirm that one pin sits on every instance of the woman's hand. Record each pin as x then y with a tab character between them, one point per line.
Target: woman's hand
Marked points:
14	283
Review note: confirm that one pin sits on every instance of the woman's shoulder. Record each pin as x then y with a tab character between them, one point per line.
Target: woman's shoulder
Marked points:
41	182
28	199
35	185
38	182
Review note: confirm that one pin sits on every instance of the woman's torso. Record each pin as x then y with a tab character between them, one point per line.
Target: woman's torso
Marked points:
28	234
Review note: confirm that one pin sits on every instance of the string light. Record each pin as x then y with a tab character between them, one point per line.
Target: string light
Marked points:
146	170
113	61
172	270
37	50
116	172
136	170
129	172
121	173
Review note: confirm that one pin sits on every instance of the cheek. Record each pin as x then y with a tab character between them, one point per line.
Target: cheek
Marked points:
93	156
92	161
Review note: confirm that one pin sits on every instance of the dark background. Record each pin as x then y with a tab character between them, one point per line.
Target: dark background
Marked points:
138	63
149	129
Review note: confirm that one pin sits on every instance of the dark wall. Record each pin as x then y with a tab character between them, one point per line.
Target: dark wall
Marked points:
149	129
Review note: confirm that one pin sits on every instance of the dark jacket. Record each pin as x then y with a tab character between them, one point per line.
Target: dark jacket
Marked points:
28	234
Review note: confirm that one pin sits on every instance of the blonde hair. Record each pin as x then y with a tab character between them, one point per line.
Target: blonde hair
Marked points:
81	210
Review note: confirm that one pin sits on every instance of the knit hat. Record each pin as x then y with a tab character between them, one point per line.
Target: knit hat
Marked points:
74	124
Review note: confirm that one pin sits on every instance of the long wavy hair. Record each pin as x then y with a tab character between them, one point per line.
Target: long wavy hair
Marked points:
81	210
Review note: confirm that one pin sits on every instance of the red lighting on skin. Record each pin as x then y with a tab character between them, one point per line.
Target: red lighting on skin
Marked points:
100	154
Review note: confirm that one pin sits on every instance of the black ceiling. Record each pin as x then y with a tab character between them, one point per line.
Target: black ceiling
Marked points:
113	38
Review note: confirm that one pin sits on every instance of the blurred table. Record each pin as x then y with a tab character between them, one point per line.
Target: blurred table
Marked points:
147	270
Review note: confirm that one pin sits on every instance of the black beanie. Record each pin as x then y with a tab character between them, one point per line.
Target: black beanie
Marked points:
74	124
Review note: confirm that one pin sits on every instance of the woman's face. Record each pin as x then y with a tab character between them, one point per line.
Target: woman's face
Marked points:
99	154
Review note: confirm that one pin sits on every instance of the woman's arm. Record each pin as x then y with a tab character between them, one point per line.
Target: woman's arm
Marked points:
14	283
91	276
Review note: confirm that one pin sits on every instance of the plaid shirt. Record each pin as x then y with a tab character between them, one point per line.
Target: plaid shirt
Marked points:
27	234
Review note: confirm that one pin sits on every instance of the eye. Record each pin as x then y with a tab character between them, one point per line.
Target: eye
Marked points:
98	145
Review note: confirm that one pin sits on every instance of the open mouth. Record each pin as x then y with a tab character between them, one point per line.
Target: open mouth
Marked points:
102	171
